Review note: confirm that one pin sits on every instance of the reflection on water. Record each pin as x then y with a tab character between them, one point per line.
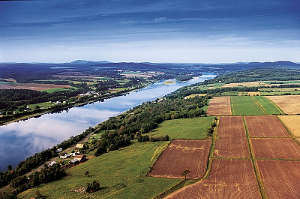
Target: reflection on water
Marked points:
21	139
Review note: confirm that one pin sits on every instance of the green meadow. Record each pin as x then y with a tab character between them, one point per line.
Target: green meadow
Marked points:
253	105
121	174
190	128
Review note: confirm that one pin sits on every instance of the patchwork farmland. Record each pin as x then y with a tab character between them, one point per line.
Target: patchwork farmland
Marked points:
250	159
242	105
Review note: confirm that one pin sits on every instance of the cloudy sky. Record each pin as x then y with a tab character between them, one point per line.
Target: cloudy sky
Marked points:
206	31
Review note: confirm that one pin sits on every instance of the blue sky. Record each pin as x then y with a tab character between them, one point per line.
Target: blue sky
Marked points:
210	31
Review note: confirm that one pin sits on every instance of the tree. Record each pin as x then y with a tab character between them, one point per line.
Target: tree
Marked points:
185	173
9	167
92	187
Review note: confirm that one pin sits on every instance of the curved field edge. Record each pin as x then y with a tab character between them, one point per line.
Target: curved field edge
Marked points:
121	173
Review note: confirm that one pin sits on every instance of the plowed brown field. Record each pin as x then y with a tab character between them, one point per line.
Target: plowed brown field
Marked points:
232	141
232	147
290	104
284	148
231	126
228	179
183	155
281	178
219	106
292	122
265	126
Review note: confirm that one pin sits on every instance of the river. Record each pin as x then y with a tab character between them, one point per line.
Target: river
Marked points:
21	139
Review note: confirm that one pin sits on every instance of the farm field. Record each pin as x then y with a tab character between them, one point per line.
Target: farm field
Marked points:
246	84
276	148
183	155
231	147
281	178
231	141
33	86
289	104
121	173
228	179
265	126
252	105
231	126
194	128
219	106
292	122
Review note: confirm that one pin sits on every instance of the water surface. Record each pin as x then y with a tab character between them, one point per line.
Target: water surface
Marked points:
21	139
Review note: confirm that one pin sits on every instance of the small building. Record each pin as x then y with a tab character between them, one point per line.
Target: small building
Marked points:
79	146
78	159
59	150
65	156
52	163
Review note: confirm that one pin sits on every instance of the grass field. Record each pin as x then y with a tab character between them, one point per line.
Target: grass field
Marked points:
195	128
253	105
121	175
53	90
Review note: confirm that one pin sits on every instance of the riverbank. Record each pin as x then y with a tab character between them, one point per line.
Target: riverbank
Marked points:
64	107
25	138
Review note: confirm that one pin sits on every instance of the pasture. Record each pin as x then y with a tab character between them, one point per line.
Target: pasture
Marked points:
190	128
121	173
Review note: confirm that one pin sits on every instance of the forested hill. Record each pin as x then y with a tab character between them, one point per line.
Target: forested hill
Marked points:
28	72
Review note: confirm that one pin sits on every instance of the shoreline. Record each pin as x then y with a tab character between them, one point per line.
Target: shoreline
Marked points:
67	107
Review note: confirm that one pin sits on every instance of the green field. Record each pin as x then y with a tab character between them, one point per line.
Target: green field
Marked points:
53	90
253	105
121	174
195	128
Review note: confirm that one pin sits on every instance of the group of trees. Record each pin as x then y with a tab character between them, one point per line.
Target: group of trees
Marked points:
47	174
110	141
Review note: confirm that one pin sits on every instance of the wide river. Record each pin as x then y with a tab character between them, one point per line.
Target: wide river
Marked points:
21	139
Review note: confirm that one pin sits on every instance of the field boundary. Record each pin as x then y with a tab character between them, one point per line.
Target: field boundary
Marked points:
208	168
275	105
259	104
157	157
254	164
231	106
